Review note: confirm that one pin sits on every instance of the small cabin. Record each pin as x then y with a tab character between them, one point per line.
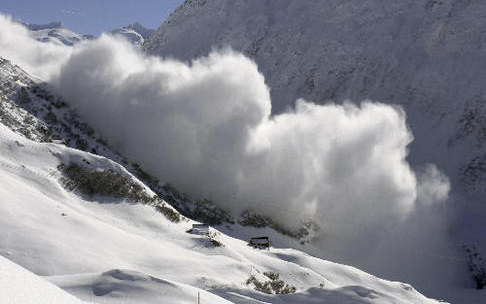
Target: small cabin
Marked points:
261	241
202	229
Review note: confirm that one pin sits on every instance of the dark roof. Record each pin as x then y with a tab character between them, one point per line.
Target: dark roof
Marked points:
260	238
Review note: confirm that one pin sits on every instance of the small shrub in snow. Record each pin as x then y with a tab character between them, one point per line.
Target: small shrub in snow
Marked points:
274	285
260	286
272	275
288	289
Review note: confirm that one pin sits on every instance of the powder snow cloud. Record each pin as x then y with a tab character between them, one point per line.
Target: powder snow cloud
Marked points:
206	127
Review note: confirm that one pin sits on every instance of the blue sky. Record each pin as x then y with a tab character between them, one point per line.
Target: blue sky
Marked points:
91	16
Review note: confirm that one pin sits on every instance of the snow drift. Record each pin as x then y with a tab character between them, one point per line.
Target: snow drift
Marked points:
206	127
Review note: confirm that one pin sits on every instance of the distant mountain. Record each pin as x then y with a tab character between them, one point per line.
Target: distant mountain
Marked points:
46	26
55	32
140	29
135	33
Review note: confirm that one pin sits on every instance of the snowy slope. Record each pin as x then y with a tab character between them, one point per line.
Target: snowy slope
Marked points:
117	286
20	286
54	32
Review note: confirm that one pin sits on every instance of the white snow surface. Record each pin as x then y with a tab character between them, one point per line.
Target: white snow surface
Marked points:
111	251
20	286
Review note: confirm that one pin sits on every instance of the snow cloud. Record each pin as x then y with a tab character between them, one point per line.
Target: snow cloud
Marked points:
205	126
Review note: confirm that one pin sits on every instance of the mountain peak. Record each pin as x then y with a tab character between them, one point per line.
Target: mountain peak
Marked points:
140	29
134	32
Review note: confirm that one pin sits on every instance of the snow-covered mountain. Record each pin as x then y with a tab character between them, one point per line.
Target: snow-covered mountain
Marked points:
55	32
425	55
141	250
83	222
135	33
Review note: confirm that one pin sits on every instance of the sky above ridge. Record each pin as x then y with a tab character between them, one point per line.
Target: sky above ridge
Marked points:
91	16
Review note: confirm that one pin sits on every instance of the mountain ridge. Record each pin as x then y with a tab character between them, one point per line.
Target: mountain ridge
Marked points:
55	32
